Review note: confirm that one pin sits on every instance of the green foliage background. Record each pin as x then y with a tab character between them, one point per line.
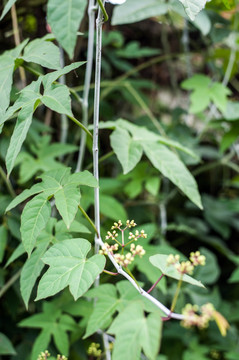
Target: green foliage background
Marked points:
169	125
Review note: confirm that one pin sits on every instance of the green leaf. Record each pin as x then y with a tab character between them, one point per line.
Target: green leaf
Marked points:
152	185
65	19
231	112
112	208
69	266
218	94
35	189
234	276
7	64
67	200
133	10
83	178
173	168
7	7
160	262
128	152
16	254
204	91
3	241
134	332
42	52
103	310
48	79
35	215
6	347
57	98
41	343
44	159
210	272
193	7
19	135
30	272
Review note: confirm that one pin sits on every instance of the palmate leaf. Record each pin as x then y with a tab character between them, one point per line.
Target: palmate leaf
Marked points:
160	261
134	332
53	323
69	267
109	299
64	187
48	79
65	18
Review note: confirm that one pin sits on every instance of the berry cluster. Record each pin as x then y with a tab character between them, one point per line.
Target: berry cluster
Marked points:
187	267
123	259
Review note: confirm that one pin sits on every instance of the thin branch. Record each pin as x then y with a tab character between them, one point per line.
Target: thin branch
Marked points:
17	41
85	103
7	182
64	121
10	282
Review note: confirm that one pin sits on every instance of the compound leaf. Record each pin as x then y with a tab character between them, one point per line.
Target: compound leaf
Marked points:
134	332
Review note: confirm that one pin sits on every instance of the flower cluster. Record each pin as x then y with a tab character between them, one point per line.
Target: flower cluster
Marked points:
121	258
137	235
193	318
94	350
45	354
186	267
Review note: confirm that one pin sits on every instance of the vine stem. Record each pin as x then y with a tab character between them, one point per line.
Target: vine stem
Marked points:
7	182
64	121
99	23
17	41
85	100
98	240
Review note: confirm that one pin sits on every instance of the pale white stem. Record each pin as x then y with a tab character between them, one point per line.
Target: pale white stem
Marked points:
89	65
139	289
64	121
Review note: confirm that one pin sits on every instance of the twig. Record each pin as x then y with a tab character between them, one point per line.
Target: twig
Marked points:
64	121
7	182
10	282
17	41
85	104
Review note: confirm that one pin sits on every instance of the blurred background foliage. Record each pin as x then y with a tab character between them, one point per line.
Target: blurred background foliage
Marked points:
157	72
